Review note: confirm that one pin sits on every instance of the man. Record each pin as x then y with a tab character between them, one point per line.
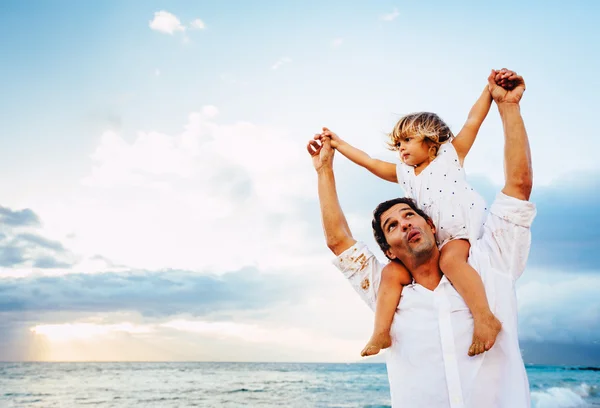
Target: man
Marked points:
428	365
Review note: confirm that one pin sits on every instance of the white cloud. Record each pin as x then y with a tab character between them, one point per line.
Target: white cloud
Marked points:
391	16
210	111
180	200
337	42
157	72
197	24
280	62
166	22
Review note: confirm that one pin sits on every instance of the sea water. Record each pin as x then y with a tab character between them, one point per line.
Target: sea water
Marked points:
169	385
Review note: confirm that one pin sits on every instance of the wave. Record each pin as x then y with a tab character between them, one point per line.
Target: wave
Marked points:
585	368
561	397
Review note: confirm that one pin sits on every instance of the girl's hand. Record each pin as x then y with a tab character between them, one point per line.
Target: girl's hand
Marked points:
335	139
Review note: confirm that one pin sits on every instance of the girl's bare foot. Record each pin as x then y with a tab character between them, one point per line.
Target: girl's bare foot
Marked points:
376	344
485	331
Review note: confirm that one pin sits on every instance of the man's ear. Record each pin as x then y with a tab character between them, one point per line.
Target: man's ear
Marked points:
430	223
390	255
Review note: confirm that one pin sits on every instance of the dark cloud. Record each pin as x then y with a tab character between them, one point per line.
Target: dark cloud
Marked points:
35	251
565	233
48	262
18	218
150	293
20	248
551	353
11	255
38	240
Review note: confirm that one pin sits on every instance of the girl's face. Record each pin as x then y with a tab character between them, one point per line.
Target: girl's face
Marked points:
413	152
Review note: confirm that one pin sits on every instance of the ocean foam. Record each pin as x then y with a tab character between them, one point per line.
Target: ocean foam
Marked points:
558	397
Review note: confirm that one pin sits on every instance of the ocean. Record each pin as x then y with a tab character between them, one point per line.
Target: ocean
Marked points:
168	385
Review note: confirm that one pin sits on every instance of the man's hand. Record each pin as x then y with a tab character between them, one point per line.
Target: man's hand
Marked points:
321	152
335	139
506	86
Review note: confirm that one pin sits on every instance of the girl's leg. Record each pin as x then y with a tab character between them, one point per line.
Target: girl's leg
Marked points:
393	276
468	283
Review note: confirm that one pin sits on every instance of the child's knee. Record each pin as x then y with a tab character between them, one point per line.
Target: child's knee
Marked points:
397	272
454	256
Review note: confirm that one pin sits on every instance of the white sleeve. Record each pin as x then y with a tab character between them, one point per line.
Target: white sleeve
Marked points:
363	271
506	237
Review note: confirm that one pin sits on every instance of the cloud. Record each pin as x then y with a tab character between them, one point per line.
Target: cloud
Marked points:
166	22
21	247
153	293
197	24
337	42
566	232
280	62
560	308
40	241
157	72
210	111
180	200
560	354
391	16
18	218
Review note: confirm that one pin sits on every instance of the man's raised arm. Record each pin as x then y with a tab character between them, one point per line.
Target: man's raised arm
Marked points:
517	155
335	226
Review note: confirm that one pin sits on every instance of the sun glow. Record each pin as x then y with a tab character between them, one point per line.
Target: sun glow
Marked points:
85	331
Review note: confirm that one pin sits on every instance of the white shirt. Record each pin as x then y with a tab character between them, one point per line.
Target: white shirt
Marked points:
428	364
442	191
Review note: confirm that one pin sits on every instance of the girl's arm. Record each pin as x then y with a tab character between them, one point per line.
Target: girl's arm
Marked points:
380	168
464	140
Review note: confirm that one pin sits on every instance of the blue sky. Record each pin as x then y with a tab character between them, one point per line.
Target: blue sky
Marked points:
157	202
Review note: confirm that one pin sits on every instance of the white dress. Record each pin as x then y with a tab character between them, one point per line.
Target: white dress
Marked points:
442	191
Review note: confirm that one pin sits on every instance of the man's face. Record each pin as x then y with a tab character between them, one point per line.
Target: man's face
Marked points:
410	237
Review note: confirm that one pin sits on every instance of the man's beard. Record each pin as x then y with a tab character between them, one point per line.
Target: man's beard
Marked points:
422	252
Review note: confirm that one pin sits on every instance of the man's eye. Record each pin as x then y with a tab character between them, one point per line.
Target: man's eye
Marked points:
409	214
391	227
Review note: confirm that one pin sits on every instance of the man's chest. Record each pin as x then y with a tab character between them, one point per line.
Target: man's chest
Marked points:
428	319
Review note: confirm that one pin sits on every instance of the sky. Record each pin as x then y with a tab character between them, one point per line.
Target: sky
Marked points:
157	202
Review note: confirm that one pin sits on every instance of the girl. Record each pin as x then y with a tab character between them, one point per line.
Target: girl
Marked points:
431	173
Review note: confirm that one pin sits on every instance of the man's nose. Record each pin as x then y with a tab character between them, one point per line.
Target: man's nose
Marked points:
406	225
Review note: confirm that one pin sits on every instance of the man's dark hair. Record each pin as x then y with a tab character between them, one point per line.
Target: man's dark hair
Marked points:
383	207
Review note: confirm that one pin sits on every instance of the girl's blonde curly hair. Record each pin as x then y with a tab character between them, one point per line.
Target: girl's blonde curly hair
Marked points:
422	126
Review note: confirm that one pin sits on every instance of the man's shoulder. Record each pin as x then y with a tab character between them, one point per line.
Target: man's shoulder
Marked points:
355	258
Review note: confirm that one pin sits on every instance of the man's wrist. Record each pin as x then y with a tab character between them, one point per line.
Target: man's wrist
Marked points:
507	107
325	169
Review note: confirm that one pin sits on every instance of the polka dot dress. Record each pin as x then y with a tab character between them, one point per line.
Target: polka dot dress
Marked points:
442	191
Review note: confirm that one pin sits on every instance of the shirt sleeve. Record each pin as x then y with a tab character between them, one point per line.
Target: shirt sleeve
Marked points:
506	236
363	271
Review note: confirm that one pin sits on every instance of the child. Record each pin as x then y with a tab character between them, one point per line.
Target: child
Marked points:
431	172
